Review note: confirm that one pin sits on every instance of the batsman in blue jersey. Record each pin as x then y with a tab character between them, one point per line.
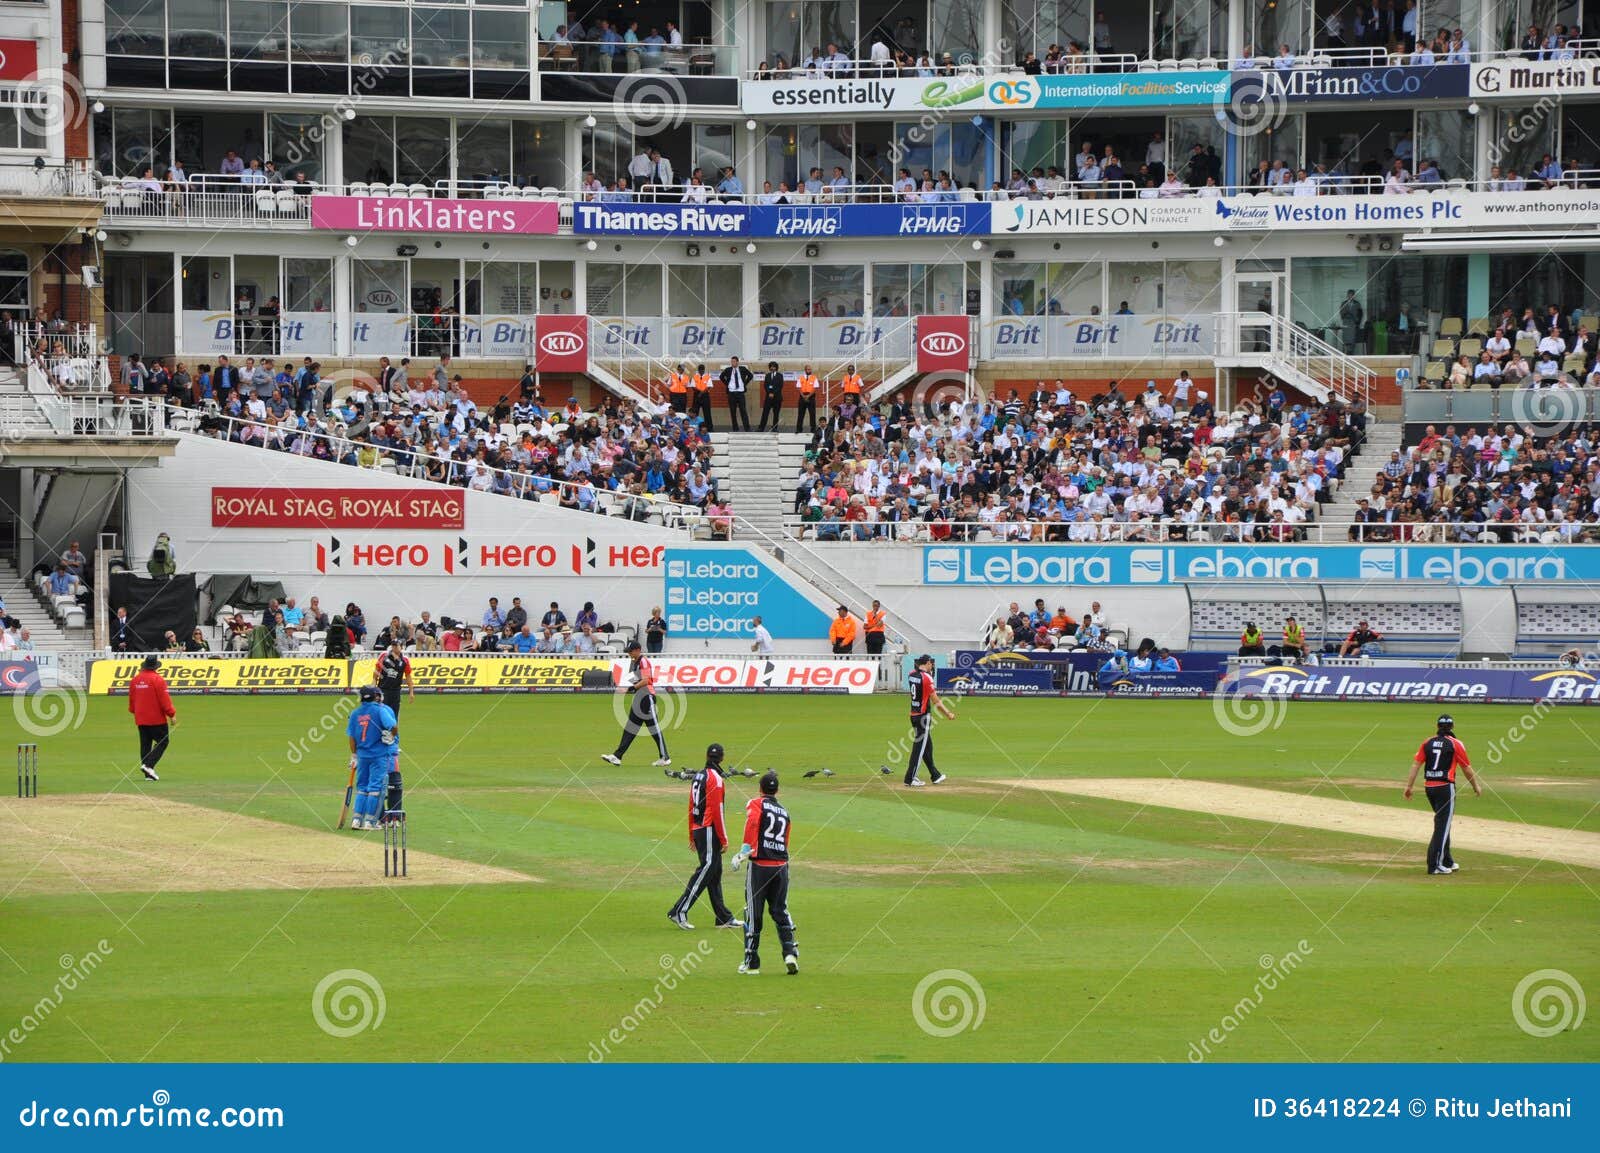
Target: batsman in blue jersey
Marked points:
374	735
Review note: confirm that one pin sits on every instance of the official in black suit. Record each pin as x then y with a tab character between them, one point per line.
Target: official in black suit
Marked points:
736	379
771	397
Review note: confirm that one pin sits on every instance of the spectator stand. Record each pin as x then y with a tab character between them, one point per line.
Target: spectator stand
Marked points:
1552	620
1417	620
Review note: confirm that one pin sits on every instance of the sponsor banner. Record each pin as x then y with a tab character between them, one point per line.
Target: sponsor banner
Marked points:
1418	683
635	218
702	341
1003	93
418	556
1141	335
713	592
367	508
227	675
1184	683
18	677
807	221
759	674
380	335
19	59
501	337
844	338
208	333
1321	85
1214	664
468	674
943	344
561	343
1470	566
996	681
305	333
1079	672
435	214
1263	212
1524	78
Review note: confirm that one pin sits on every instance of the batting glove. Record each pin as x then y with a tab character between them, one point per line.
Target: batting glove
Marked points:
738	859
352	760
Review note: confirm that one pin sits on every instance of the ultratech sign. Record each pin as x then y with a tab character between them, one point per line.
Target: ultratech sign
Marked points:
1517	78
227	675
461	555
466	674
759	674
336	508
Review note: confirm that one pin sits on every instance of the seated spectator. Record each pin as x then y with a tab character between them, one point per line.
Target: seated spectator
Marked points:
1362	641
1251	642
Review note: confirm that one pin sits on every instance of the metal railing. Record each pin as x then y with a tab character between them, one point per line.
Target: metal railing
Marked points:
1528	406
75	178
89	414
620	58
1293	351
1167	530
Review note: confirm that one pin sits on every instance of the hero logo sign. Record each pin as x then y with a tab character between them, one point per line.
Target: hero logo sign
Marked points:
561	344
412	556
462	556
942	344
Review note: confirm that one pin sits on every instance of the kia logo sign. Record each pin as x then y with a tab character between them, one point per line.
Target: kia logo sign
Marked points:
943	344
561	343
382	298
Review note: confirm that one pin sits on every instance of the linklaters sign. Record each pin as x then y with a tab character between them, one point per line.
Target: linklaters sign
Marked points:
1536	78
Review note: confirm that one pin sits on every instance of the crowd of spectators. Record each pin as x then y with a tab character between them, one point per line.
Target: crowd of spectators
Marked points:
1534	348
1055	467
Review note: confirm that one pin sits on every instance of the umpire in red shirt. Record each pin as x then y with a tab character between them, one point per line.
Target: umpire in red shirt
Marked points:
766	844
1438	759
708	836
151	706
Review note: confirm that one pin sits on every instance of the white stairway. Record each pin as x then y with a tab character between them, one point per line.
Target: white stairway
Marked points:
1382	439
756	473
19	412
22	603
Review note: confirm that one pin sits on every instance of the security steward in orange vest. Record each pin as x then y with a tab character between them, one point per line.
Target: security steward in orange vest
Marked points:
843	632
876	626
678	389
852	385
702	397
806	384
771	397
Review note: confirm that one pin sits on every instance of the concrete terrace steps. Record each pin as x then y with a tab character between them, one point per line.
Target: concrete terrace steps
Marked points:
755	472
1382	439
24	604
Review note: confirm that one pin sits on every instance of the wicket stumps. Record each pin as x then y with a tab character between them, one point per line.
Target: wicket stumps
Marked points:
27	770
394	843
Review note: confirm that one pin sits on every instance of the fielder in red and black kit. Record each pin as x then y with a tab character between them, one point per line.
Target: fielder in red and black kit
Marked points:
708	836
391	672
766	844
641	708
1438	759
924	699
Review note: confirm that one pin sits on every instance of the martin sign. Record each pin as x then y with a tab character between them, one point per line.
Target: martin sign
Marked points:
1519	78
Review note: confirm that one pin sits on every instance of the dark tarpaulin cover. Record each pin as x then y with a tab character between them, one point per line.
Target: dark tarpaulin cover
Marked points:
242	591
154	606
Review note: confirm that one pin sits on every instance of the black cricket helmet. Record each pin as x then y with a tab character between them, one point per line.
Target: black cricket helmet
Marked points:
769	783
1446	722
370	693
713	754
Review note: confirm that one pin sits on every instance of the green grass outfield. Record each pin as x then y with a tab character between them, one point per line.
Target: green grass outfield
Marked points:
1096	930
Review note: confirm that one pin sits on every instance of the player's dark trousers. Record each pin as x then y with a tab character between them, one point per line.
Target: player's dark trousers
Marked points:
707	878
874	644
766	888
738	414
392	699
1443	800
773	409
806	411
641	715
152	744
921	747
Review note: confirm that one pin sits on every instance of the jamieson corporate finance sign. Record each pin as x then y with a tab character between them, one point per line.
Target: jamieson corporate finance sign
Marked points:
1001	93
1471	566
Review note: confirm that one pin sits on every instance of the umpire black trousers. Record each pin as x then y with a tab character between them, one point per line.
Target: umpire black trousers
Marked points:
738	414
152	744
1443	800
770	408
642	715
766	889
707	878
922	748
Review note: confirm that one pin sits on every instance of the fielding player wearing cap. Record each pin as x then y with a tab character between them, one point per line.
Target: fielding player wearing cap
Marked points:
640	680
708	836
924	699
151	706
1438	758
766	845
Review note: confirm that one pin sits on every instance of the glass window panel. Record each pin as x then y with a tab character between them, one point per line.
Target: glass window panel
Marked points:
1272	23
605	289
500	39
1184	133
1021	287
296	143
135	28
1037	144
686	290
785	290
258	30
784	32
1450	137
369	149
1136	284
713	150
378	285
483	150
641	293
505	288
197	28
781	149
1193	287
891	289
439	37
378	36
1280	143
136	142
966	143
556	281
307	284
1076	289
1034	25
207	283
317	33
422	150
725	291
838	290
937	289
1522	136
958	28
537	155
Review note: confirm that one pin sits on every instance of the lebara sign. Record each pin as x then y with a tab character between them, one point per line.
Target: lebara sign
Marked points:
712	593
1476	566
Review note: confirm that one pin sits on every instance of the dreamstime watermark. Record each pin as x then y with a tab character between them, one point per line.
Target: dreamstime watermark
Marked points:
1520	127
1253	104
1276	970
51	712
347	1002
671	709
947	1002
937	391
675	970
330	723
920	133
1247	715
76	970
365	77
1547	1002
1546	412
50	101
646	103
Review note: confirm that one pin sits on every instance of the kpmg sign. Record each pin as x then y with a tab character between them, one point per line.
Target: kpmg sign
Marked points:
1469	566
808	221
1349	85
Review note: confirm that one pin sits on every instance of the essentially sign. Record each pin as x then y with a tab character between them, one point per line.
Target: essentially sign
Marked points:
227	675
450	673
1318	85
1413	682
355	508
943	344
560	343
19	59
760	674
435	214
637	218
809	221
1011	93
713	592
1521	78
1473	566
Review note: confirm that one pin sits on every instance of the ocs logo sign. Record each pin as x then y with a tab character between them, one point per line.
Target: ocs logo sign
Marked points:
561	343
1013	93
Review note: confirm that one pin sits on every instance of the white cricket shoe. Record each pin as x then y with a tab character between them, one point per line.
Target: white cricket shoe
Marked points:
916	783
611	758
747	969
663	762
792	963
679	920
941	778
149	773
